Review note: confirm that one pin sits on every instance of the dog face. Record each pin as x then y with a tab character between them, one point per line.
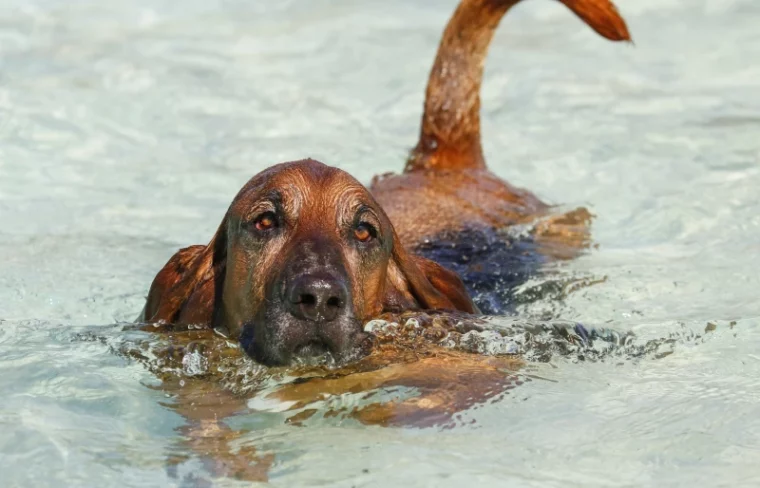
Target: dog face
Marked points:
307	257
303	257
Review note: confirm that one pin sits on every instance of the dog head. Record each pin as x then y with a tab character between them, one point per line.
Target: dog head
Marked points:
303	257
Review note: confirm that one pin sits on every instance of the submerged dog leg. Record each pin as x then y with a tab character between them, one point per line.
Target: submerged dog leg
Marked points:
446	384
205	406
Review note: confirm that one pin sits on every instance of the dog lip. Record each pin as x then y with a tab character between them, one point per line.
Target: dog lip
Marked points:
312	348
279	339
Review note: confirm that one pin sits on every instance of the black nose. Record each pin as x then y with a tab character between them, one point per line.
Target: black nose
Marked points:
317	297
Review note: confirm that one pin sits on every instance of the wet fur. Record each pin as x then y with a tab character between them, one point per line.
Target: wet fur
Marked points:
235	283
445	208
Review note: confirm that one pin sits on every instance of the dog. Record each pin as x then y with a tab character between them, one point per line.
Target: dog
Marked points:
306	254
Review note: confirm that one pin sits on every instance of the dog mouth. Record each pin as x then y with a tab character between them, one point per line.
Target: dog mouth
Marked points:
311	349
314	354
319	353
282	340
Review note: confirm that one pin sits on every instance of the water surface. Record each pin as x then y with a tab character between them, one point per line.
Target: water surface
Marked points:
127	127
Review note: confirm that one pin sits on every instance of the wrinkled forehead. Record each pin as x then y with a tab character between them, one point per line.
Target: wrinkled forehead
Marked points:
304	189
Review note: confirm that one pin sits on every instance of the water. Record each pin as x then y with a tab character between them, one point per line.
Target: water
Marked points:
126	128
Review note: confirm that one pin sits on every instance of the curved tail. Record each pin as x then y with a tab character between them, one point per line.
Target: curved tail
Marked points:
450	132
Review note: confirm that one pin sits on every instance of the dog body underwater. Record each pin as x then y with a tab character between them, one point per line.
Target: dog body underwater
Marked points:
305	254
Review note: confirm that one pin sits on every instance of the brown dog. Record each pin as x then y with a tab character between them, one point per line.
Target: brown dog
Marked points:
306	254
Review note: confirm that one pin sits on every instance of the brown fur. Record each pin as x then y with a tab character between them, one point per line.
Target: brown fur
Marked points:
445	187
198	285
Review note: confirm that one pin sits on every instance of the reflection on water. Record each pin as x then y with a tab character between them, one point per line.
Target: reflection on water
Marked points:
422	370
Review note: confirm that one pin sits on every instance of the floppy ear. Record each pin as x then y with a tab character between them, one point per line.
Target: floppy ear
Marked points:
185	291
421	283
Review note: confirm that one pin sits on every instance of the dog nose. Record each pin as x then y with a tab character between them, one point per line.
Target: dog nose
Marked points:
317	297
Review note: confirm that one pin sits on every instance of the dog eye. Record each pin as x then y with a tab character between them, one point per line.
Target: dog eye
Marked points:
265	221
365	232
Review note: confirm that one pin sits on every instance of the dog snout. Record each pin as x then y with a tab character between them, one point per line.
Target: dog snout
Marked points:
318	297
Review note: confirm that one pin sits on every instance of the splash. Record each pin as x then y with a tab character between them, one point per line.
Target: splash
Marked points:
422	367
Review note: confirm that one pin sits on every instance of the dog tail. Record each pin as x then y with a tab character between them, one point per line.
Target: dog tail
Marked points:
450	129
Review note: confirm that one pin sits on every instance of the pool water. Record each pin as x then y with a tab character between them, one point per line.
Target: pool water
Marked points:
127	127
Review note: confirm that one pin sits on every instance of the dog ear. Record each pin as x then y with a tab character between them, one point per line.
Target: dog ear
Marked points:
185	291
416	282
